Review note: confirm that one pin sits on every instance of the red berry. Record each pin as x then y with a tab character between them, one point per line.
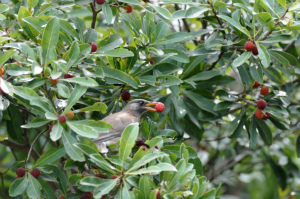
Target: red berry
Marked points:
1	70
35	173
139	142
87	195
67	76
156	147
100	175
152	60
259	114
100	2
61	197
146	1
157	195
255	51
256	84
261	104
54	81
20	172
125	95
266	116
264	90
114	177
50	128
129	9
70	114
62	118
159	107
249	46
94	47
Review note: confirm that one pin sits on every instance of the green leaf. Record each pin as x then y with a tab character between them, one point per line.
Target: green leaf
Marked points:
154	169
75	96
47	189
105	187
71	150
111	42
120	76
235	24
144	160
3	8
99	126
72	54
101	162
168	80
63	90
282	2
298	146
263	55
50	156
107	13
131	2
49	39
241	59
83	81
62	179
205	75
8	54
181	36
18	186
80	26
127	141
86	149
144	186
56	132
82	129
15	123
195	12
116	53
90	36
28	29
35	123
273	74
33	188
163	12
202	102
98	106
253	133
264	131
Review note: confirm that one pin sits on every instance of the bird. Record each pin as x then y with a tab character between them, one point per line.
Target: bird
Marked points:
131	113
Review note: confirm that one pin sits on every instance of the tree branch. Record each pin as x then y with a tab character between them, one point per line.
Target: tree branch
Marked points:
19	147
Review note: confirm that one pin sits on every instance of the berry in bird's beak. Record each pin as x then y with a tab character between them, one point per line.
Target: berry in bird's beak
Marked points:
150	108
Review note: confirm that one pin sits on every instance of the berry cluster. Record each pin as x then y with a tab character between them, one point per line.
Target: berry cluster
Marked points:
21	172
249	46
261	104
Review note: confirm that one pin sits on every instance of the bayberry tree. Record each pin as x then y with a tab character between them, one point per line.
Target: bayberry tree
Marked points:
226	75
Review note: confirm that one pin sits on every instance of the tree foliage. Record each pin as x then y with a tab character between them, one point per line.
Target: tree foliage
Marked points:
75	58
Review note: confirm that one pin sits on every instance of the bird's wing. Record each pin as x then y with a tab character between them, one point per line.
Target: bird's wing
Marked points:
119	121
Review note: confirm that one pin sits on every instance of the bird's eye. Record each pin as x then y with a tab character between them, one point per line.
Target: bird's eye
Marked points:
141	103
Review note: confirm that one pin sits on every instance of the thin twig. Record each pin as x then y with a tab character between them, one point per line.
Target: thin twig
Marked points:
275	24
24	109
31	147
218	19
50	98
288	46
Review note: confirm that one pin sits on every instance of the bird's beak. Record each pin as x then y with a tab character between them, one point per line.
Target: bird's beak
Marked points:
150	108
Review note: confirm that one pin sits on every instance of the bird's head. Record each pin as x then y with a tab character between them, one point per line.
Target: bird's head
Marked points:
139	106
